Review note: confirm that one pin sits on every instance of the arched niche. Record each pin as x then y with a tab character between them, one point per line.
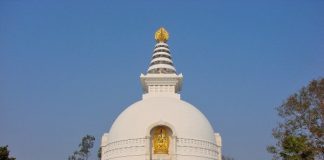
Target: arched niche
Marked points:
162	141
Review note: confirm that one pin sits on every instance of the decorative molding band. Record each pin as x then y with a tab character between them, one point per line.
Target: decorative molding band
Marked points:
128	147
138	147
197	157
199	148
196	142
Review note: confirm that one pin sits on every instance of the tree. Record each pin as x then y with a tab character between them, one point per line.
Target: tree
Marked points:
4	153
300	135
99	153
226	158
84	149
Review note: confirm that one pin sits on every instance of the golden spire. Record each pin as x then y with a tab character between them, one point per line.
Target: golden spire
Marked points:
161	35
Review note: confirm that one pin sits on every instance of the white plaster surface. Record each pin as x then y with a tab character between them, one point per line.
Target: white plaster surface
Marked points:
188	121
129	136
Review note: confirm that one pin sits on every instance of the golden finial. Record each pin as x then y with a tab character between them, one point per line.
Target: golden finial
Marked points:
161	35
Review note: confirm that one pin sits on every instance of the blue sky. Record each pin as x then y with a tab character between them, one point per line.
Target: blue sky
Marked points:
69	67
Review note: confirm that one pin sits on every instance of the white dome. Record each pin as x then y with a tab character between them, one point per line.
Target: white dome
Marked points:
184	120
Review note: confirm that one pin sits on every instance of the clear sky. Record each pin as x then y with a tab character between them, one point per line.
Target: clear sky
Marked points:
69	67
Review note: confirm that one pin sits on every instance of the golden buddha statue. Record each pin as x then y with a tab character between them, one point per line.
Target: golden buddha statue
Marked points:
160	141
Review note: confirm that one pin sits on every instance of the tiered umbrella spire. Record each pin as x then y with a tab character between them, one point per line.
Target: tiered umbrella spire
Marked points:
161	62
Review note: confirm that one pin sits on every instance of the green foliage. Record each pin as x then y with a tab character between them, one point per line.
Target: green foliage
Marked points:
84	149
227	158
300	135
99	153
4	153
296	148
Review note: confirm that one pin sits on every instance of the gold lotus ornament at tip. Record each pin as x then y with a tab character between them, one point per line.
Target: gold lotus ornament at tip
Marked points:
161	35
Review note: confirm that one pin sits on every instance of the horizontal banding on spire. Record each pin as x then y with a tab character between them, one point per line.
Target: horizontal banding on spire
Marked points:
161	50
161	70
161	55
161	62
161	59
